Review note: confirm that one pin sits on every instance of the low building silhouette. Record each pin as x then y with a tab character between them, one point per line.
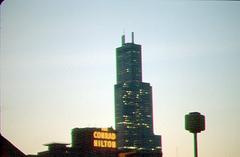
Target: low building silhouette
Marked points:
56	150
86	142
142	153
7	149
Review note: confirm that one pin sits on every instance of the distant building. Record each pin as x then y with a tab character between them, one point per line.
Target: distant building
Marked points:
133	102
148	153
94	142
56	150
133	137
7	149
86	142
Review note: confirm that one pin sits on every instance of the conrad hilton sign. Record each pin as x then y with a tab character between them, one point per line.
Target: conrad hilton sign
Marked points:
104	139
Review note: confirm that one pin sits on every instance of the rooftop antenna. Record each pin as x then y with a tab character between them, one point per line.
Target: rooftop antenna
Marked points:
133	37
123	39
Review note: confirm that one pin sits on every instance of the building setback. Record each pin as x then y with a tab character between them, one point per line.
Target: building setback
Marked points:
133	102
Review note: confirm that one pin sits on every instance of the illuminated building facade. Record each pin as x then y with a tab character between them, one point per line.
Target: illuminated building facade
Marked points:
86	142
94	142
133	101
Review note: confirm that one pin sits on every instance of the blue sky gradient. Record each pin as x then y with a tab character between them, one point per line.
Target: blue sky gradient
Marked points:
58	69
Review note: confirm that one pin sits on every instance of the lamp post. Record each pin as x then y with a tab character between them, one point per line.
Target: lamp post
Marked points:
195	123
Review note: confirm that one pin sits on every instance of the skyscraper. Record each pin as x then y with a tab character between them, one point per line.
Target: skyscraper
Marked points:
133	101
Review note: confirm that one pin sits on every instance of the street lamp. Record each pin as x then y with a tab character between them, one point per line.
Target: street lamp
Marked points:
195	123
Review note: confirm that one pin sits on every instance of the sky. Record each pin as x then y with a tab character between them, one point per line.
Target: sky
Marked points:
58	69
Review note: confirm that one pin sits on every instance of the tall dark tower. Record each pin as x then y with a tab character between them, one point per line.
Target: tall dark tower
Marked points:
133	101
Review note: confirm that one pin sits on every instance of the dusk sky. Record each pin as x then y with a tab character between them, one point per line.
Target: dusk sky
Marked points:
58	69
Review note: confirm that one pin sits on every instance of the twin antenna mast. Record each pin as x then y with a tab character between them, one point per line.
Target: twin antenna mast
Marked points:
123	38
